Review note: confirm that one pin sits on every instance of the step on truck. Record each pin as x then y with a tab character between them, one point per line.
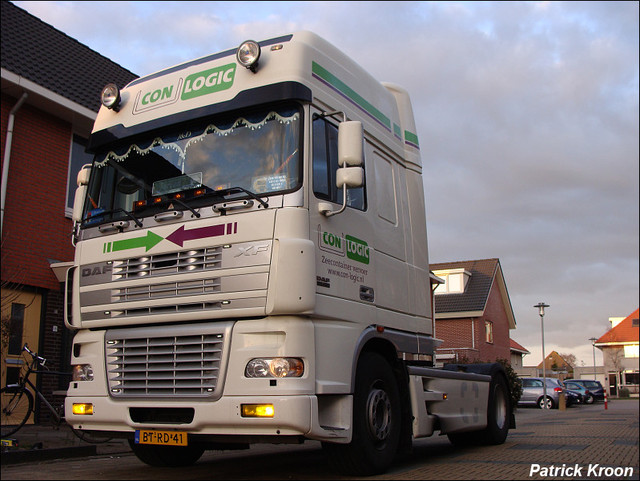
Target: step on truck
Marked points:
251	266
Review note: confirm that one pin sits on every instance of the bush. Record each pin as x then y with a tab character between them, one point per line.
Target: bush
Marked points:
515	383
623	392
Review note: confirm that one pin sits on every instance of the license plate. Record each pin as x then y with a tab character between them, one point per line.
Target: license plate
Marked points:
164	438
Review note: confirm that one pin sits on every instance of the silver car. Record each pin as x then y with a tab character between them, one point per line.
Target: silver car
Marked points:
533	392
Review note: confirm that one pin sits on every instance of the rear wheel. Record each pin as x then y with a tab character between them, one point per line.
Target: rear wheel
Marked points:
376	421
17	406
498	417
167	456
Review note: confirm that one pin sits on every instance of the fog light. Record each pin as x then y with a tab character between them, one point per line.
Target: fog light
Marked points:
110	97
248	54
82	409
257	410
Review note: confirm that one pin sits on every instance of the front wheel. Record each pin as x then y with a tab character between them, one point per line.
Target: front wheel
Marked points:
376	421
589	399
547	405
167	456
17	406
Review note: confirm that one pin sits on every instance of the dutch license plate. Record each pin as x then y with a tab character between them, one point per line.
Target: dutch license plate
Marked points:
164	438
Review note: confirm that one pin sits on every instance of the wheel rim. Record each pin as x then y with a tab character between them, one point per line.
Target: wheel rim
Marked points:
545	404
379	414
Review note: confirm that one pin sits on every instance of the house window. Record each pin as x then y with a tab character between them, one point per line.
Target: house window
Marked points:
77	159
632	378
325	165
632	351
455	281
488	329
16	327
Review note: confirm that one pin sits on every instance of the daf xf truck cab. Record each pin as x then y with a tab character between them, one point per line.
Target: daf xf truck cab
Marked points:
251	266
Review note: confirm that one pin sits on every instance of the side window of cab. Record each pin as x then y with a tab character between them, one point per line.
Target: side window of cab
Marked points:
325	164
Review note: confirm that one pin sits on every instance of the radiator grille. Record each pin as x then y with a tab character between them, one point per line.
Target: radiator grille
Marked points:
167	264
168	366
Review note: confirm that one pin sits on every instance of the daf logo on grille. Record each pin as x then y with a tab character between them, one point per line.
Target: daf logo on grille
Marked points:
252	250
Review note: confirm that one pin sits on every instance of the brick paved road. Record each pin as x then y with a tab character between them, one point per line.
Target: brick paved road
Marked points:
581	436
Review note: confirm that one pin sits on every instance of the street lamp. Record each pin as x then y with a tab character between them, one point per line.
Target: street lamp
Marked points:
593	346
541	306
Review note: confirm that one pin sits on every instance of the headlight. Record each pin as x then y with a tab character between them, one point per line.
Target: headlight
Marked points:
275	367
248	54
82	372
110	97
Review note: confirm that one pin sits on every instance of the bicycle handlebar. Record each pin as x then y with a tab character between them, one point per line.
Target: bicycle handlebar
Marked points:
34	355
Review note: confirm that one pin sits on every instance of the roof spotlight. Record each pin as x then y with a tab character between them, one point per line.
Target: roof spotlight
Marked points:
248	54
110	97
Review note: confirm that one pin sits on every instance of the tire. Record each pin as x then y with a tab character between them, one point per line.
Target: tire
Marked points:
589	399
17	406
498	418
498	412
376	421
167	456
550	403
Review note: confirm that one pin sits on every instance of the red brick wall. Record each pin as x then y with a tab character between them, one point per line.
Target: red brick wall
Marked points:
458	338
35	227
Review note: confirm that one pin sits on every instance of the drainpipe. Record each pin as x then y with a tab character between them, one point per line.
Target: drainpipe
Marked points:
7	154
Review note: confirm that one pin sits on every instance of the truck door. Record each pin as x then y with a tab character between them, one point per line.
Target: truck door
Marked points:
344	242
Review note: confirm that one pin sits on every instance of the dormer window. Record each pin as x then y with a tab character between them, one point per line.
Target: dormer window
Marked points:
455	281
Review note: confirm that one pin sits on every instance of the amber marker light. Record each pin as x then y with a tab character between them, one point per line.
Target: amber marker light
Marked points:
82	409
257	410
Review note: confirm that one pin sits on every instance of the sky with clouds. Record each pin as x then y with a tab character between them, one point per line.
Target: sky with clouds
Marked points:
527	116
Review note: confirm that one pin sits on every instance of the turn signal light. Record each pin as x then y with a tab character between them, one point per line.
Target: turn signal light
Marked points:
257	410
82	409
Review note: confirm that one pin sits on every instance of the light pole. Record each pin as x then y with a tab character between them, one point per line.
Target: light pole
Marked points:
541	306
593	346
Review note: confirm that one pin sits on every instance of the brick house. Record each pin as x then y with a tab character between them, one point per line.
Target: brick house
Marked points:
517	353
473	311
620	352
50	96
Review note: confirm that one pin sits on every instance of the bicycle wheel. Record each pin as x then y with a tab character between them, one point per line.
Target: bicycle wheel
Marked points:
17	406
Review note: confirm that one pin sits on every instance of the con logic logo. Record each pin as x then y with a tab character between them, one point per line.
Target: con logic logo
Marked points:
195	85
354	248
209	81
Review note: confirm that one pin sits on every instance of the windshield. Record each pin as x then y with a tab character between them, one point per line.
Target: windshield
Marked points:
257	153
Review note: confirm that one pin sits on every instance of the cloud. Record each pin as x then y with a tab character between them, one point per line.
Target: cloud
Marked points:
527	115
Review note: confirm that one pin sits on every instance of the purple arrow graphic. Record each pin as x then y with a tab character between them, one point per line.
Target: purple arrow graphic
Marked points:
181	235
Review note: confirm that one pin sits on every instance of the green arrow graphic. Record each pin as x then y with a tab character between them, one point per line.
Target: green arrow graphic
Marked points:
147	242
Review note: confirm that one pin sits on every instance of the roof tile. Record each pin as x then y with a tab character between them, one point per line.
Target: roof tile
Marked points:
38	52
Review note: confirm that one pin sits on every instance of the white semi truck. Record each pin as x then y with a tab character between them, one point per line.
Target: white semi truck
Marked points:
251	267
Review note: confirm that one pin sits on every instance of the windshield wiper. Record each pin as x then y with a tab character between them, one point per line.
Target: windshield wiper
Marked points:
231	190
184	204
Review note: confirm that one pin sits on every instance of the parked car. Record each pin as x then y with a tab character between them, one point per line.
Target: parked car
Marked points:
595	388
585	396
533	393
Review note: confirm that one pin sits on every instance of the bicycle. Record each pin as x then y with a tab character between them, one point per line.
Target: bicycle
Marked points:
18	402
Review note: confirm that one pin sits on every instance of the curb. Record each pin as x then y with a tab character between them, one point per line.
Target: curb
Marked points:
25	456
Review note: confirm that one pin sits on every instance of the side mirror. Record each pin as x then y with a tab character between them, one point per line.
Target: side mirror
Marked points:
350	135
350	158
350	177
81	192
